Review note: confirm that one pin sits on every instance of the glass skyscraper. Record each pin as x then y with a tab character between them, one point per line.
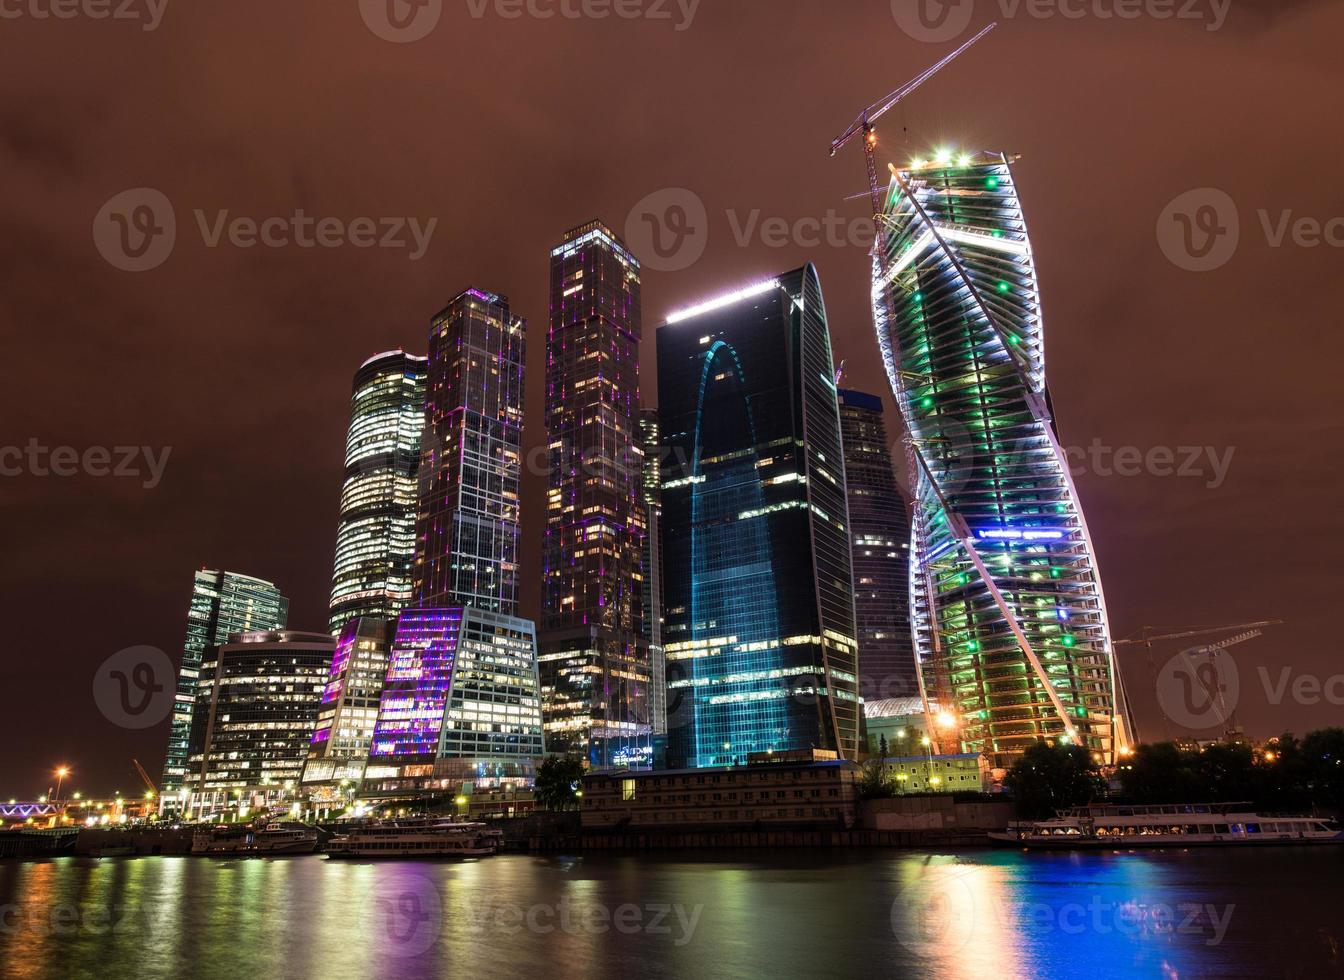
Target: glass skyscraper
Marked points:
375	542
471	459
757	581
651	440
258	718
595	667
1009	615
462	702
879	533
350	700
222	603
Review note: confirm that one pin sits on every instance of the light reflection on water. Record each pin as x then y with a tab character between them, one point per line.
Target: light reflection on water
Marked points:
982	915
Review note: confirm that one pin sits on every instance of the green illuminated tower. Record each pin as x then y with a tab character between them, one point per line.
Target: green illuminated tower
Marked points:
1009	616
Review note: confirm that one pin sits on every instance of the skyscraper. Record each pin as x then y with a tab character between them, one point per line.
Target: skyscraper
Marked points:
461	702
879	534
350	700
222	603
594	656
1010	618
651	442
471	460
757	581
375	542
259	718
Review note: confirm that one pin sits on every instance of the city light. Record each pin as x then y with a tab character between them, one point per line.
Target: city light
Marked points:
719	302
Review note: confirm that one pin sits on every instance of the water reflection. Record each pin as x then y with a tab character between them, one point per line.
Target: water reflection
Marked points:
974	915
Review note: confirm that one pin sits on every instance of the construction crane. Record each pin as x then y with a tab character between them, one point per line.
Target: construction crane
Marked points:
1151	635
865	125
149	783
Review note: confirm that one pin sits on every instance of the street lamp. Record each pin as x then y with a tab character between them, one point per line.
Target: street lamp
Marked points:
61	773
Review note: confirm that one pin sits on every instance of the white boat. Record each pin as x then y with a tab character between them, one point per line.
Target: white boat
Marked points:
232	841
416	837
1175	825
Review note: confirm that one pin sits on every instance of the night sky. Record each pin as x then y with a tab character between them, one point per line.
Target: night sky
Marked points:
509	132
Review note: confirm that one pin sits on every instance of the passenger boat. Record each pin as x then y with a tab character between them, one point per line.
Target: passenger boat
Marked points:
232	841
1188	825
416	837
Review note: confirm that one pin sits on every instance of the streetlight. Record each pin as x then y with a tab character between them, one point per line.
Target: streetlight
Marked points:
61	773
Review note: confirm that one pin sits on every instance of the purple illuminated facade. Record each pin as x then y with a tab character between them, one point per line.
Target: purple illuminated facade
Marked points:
594	652
470	460
461	701
349	708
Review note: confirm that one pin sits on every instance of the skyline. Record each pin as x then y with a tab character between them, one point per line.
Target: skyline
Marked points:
1158	538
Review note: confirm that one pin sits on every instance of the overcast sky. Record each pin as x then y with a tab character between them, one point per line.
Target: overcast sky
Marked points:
506	132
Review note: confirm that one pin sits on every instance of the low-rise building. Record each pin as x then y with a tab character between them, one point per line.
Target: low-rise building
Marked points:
965	772
764	794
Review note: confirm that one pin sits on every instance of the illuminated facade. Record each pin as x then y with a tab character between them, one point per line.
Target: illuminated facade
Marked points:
461	702
349	708
653	568
259	719
222	603
470	467
879	530
375	542
1009	615
594	654
757	583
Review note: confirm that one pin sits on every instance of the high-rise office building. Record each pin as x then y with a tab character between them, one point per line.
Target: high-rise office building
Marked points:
757	582
594	656
350	700
879	535
259	719
222	603
471	459
375	542
462	702
651	441
1009	615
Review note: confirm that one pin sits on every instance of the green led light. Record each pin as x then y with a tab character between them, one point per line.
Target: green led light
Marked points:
992	183
926	403
1004	287
1056	572
1069	641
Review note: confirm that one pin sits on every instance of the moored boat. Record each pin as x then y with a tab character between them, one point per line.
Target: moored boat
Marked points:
233	841
416	837
1174	825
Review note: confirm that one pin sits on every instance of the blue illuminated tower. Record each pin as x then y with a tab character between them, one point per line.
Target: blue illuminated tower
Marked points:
757	582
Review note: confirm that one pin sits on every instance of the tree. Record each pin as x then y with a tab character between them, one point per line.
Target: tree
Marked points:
1163	773
1050	777
558	780
875	784
1323	759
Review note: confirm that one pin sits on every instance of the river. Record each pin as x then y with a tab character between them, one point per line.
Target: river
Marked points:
976	915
